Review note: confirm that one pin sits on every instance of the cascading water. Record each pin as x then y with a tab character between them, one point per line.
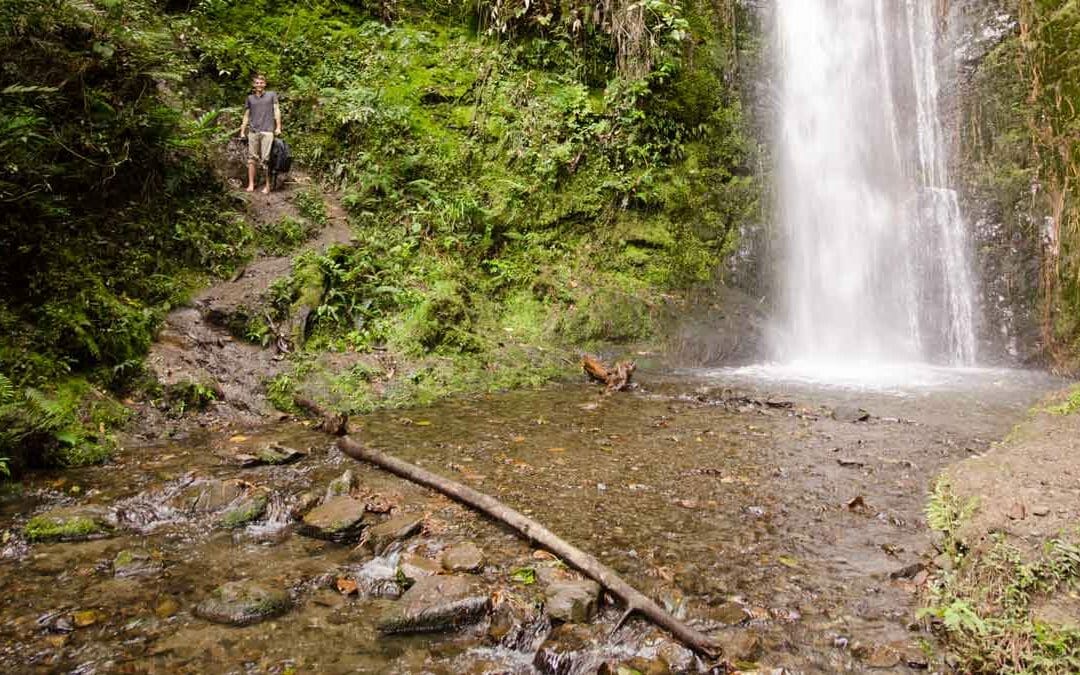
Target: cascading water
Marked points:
875	267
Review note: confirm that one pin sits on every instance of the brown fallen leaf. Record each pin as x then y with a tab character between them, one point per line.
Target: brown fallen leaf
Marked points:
556	449
687	503
856	503
346	586
238	439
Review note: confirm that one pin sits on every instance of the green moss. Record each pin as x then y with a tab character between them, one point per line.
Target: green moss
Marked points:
1069	405
53	528
184	397
249	510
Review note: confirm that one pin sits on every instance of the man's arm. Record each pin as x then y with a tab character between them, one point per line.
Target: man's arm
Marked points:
277	116
244	123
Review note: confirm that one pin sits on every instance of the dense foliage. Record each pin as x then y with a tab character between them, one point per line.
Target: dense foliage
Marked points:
1022	141
510	180
519	175
106	202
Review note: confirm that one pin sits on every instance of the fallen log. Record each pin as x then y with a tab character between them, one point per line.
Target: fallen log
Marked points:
634	600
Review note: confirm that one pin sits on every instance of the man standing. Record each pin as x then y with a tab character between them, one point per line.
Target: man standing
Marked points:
263	114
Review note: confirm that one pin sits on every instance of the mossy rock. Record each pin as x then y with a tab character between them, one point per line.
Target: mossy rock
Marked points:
250	509
69	524
242	603
136	563
437	603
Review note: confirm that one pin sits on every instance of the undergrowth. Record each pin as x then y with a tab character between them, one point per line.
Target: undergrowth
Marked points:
109	217
522	180
518	189
985	603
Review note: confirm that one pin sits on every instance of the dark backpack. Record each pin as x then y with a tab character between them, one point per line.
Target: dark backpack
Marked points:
280	157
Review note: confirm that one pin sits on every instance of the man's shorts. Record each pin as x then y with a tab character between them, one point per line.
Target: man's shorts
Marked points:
259	143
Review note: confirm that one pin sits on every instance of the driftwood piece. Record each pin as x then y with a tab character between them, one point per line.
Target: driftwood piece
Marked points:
615	378
634	600
335	424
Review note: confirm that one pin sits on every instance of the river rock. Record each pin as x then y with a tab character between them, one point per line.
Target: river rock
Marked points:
249	509
638	664
379	538
466	557
844	413
516	622
339	519
740	645
566	648
414	566
136	563
437	603
272	453
76	523
304	502
342	485
213	495
242	603
730	613
572	601
877	655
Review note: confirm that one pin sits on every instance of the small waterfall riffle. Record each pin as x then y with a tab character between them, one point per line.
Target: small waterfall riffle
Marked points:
875	264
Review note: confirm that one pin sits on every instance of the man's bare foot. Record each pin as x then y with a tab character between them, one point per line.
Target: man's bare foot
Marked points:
250	188
266	190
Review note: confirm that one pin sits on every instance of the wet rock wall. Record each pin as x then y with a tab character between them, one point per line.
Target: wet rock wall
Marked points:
997	174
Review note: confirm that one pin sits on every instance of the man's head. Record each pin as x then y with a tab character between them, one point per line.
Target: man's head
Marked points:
259	84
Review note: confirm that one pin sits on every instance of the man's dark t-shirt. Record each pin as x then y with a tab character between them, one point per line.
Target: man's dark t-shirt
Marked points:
261	109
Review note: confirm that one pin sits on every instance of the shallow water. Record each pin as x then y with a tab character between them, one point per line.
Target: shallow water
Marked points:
701	488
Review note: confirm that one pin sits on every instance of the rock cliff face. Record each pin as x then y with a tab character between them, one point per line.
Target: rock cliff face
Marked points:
992	166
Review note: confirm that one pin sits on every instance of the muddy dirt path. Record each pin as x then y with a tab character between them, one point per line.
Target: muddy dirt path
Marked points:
195	344
787	521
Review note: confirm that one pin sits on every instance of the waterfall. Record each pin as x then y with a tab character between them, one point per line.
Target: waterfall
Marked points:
875	250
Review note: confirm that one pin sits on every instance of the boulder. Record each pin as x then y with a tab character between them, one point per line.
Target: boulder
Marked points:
437	603
339	519
242	603
572	601
466	557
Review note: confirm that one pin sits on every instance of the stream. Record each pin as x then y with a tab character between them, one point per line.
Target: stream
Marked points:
782	516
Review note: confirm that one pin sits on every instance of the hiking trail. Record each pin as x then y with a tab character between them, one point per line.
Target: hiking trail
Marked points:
195	344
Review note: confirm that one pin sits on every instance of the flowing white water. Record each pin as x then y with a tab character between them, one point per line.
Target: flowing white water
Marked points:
875	269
